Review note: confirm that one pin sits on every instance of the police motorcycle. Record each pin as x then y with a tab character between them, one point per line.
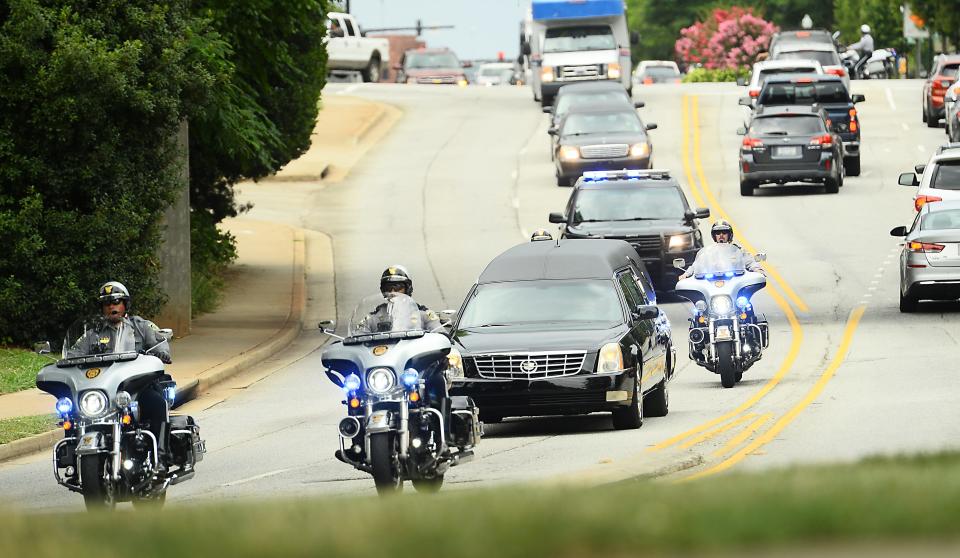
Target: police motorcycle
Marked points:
107	454
401	424
726	335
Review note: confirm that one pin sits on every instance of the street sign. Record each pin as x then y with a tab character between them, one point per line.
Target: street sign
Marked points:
913	25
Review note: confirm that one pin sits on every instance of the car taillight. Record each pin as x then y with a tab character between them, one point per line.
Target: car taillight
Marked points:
754	93
749	142
826	140
836	71
647	80
925	247
919	201
853	120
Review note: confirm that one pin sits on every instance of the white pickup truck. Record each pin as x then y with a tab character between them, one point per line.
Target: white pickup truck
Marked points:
347	50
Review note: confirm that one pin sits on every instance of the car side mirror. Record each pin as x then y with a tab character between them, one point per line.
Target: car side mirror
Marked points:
557	218
741	131
920	168
745	101
702	213
42	348
679	263
646	312
742	82
639	104
548	109
858	98
900	231
553	131
908	179
650	126
634	37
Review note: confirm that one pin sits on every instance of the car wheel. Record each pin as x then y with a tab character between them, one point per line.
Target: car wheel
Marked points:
932	120
952	133
831	185
657	402
631	416
923	113
747	187
563	180
908	304
372	72
852	166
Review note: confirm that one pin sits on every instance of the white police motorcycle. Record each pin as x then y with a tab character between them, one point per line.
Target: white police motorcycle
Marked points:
726	334
401	424
107	454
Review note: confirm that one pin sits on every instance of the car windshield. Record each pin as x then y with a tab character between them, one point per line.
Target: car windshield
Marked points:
566	102
543	302
660	71
947	176
824	57
787	125
422	60
393	313
579	123
804	93
622	204
567	39
941	220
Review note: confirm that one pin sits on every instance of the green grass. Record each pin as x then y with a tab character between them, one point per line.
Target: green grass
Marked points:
18	369
902	501
20	427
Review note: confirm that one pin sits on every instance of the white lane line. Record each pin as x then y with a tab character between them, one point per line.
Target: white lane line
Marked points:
906	128
893	106
871	289
513	175
878	276
867	295
875	282
255	477
516	203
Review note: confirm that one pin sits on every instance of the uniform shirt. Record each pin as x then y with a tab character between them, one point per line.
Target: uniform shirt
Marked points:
132	333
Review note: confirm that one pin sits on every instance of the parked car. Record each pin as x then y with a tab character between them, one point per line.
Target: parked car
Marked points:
940	177
944	73
790	144
930	259
823	53
647	208
495	73
827	92
781	68
602	139
568	327
657	71
349	50
430	66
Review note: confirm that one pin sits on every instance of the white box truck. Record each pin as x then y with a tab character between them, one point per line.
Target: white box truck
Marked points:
568	41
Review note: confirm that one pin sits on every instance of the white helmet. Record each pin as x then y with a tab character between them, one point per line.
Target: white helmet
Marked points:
865	29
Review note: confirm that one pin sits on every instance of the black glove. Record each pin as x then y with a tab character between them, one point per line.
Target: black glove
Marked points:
165	358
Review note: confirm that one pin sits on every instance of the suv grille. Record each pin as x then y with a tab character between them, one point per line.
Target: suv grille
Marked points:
580	72
434	79
604	151
529	366
645	246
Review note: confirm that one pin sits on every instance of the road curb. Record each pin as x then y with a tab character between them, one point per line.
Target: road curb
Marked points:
370	124
240	363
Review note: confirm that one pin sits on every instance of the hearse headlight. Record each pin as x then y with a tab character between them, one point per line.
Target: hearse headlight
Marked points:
610	358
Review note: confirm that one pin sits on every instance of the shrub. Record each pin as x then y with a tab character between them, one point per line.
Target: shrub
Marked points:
723	74
727	39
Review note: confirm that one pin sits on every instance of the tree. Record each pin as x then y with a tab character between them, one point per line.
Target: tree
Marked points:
941	16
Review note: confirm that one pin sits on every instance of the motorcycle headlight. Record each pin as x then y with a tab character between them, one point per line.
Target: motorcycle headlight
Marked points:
640	150
93	403
569	153
454	364
721	304
610	358
380	380
681	242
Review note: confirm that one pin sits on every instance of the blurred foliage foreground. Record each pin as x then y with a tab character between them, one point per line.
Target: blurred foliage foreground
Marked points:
911	504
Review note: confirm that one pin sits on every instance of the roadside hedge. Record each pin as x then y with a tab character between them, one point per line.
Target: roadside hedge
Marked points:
93	93
697	75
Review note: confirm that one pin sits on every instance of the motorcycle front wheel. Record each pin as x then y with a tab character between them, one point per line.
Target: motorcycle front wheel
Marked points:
385	475
97	490
726	365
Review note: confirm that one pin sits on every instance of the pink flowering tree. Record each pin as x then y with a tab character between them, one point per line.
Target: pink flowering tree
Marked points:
727	39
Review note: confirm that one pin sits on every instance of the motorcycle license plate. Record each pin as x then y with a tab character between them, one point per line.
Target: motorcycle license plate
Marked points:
91	441
379	419
723	332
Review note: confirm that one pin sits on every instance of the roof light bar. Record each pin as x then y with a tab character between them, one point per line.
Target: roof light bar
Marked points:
598	176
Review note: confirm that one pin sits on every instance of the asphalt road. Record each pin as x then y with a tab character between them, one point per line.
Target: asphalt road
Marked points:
466	174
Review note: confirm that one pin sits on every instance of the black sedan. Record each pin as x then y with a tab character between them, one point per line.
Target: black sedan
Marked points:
790	144
602	139
564	328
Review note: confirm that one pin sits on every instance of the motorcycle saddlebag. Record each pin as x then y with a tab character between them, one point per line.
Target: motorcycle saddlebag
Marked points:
465	422
185	442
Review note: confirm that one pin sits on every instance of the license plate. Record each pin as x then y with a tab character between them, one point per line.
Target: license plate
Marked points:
91	441
723	332
787	152
437	81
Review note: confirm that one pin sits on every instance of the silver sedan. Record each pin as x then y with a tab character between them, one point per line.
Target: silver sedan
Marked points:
930	260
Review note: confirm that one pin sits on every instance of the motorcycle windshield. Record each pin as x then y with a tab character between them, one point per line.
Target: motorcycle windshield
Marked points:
719	258
395	313
94	335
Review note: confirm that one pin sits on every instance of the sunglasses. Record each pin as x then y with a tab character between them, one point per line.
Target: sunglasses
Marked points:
393	288
112	302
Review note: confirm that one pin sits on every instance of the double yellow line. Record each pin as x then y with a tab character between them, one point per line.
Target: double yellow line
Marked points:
780	291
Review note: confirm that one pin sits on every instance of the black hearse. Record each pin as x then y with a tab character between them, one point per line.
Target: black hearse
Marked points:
564	328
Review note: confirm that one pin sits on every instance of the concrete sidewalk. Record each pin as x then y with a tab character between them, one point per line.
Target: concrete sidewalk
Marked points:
260	314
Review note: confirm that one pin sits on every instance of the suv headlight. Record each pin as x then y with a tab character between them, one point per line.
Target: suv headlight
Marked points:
93	403
680	242
381	380
610	358
613	70
721	305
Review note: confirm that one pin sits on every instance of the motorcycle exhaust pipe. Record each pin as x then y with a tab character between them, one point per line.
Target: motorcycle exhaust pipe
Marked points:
696	336
349	427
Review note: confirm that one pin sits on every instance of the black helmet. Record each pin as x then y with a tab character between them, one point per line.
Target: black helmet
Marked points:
540	234
396	274
112	291
719	227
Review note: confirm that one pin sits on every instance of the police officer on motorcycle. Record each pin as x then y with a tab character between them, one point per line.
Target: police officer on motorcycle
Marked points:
864	46
722	233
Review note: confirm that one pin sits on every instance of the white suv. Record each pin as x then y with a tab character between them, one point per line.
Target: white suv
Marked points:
940	177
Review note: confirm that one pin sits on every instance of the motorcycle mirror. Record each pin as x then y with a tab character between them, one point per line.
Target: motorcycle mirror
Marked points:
761	257
42	347
908	179
680	263
328	327
166	333
900	231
